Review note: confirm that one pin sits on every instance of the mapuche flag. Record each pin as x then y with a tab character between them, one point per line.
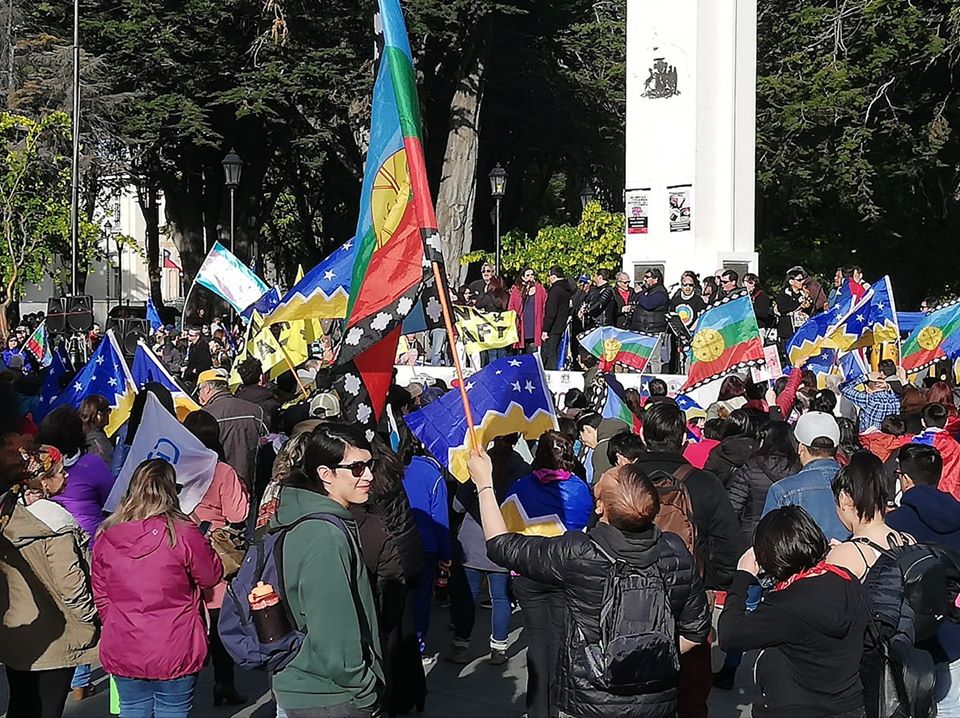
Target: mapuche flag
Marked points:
935	338
727	339
397	228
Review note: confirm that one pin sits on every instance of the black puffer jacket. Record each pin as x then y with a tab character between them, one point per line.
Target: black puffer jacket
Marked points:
599	308
749	486
728	456
573	562
395	509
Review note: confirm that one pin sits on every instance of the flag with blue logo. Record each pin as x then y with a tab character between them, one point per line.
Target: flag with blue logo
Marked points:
153	316
508	396
105	374
543	504
161	436
229	278
148	368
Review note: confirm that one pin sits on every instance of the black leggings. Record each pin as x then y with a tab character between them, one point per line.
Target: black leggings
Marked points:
38	694
222	662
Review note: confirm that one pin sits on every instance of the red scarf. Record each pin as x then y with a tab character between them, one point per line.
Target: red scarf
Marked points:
818	570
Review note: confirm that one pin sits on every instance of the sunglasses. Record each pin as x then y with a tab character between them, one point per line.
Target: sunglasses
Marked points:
357	468
688	285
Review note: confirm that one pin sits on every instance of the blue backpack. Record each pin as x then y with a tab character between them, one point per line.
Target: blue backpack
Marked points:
264	562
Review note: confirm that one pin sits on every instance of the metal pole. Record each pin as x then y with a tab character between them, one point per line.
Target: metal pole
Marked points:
498	237
233	243
119	272
75	170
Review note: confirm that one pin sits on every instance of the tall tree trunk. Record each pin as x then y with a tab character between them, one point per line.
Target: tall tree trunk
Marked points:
458	183
147	197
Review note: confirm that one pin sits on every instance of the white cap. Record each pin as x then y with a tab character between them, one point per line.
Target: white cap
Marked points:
817	425
325	405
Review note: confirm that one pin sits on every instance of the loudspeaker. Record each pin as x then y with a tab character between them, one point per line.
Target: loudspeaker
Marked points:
129	332
56	319
79	313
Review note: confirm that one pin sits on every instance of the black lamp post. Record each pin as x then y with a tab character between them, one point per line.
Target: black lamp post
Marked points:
232	168
498	188
587	195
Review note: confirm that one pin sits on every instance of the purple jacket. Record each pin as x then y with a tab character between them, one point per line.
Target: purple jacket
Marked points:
89	482
148	596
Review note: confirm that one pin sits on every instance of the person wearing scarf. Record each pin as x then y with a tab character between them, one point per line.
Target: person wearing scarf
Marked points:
809	627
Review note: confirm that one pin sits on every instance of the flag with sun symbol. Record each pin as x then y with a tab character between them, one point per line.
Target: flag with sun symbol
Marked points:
937	337
726	339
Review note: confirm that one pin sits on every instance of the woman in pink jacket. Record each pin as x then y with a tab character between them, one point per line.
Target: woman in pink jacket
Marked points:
150	565
226	502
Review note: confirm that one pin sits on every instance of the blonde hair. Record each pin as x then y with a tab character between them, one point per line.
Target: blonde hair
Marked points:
152	492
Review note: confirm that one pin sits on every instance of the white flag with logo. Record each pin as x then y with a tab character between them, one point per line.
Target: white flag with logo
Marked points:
161	436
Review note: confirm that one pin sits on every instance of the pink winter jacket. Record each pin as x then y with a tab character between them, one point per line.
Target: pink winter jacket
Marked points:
148	596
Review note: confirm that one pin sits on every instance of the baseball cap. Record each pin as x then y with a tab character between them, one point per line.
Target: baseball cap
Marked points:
213	375
415	389
325	405
817	425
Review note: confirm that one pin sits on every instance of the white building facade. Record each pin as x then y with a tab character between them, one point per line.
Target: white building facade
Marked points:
691	136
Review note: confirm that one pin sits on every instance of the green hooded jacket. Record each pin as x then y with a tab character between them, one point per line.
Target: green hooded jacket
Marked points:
340	660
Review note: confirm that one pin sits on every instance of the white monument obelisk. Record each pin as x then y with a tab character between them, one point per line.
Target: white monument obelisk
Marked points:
691	136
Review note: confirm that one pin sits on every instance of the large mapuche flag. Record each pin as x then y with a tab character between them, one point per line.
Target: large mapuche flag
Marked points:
934	339
727	338
397	217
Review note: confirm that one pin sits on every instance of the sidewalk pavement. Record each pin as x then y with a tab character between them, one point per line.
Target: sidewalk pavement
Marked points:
476	690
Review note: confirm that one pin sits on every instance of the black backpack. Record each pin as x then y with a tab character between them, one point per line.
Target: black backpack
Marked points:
637	649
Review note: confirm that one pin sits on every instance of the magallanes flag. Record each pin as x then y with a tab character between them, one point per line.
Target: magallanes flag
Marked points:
727	339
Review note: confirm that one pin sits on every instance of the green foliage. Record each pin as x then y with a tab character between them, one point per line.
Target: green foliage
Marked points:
596	243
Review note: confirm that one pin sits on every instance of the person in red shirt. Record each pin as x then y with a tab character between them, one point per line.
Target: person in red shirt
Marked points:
935	417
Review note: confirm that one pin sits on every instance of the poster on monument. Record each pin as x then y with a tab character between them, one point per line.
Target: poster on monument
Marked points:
681	207
638	211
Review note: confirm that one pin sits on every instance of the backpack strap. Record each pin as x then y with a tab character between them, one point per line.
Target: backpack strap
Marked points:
683	471
868	542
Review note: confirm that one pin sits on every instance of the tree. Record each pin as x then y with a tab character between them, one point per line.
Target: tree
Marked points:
596	243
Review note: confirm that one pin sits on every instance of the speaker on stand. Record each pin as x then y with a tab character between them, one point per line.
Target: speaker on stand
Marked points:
129	332
79	313
56	316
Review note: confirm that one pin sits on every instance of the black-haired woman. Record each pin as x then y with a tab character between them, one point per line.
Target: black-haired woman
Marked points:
339	667
810	627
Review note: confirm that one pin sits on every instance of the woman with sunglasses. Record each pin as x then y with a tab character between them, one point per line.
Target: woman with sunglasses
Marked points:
687	303
338	671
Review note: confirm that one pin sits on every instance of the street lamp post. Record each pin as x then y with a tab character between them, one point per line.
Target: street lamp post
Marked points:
587	195
75	153
232	167
498	188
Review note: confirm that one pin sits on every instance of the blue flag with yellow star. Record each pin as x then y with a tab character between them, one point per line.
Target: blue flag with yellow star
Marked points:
105	374
872	321
508	396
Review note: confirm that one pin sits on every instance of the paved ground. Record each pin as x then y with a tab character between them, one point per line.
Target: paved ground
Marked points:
477	690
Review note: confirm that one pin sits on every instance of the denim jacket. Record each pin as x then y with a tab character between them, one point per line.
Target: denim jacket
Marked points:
810	489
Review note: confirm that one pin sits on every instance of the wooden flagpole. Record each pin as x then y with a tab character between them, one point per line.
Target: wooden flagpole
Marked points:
448	321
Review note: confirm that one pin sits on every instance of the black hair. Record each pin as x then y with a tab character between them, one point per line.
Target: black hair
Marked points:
887	367
893	425
664	427
777	439
206	428
849	436
557	272
568	427
63	428
713	429
922	463
730	273
575	399
140	402
755	391
657	387
864	481
935	415
325	446
824	400
788	541
731	387
656	274
555	451
912	423
387	470
591	419
629	446
250	371
604	274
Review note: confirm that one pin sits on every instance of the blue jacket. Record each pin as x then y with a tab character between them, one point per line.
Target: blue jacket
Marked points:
810	489
932	516
427	492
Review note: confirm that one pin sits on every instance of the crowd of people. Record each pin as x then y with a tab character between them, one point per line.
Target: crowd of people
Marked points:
763	522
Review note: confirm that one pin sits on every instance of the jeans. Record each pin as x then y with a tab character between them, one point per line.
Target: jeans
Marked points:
156	699
543	611
438	339
38	694
947	690
82	677
466	598
423	598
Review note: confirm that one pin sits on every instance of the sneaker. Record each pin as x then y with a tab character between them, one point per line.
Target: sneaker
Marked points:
724	678
486	603
497	657
428	660
458	655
